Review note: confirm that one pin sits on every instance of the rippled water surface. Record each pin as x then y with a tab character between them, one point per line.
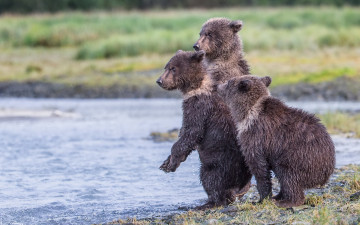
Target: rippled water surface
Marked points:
90	161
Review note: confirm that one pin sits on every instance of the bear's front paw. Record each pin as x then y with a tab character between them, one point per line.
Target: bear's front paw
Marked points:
173	165
170	164
164	166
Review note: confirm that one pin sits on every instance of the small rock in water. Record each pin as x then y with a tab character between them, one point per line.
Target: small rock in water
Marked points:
355	196
169	136
184	208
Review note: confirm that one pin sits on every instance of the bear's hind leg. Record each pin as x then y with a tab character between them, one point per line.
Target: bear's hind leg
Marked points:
244	189
292	195
263	182
236	192
214	187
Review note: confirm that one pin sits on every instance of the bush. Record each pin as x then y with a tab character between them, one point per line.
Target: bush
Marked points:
343	37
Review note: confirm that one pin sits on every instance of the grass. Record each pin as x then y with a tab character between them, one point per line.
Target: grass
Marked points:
58	66
342	123
282	28
120	48
135	44
328	205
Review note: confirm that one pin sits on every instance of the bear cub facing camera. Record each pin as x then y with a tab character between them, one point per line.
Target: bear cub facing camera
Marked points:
288	141
208	127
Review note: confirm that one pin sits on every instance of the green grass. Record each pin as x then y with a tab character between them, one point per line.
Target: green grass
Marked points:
291	45
121	34
316	77
58	66
342	123
159	41
327	205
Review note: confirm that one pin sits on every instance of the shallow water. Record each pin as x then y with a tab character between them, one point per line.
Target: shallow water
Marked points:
93	163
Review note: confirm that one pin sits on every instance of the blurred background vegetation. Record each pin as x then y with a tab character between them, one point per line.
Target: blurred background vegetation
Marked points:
114	48
27	6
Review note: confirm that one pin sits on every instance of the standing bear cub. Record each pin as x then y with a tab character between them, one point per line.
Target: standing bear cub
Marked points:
208	127
288	141
223	47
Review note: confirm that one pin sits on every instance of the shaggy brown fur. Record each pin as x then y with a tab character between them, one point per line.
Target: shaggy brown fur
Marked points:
224	55
288	141
208	127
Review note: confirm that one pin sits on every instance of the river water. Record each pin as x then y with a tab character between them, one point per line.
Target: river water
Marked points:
90	161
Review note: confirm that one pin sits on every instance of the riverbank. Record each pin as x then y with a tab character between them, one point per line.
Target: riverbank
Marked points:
346	124
340	89
38	89
338	202
311	53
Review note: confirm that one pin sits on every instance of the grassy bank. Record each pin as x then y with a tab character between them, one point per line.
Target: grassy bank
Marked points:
335	203
338	123
133	74
342	123
136	33
129	49
57	65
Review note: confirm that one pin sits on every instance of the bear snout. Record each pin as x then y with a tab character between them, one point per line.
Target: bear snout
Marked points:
196	47
159	81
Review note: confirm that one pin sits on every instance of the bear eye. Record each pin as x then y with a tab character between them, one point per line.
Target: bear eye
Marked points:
209	34
172	69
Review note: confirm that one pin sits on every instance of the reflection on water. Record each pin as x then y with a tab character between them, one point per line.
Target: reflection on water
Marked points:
98	166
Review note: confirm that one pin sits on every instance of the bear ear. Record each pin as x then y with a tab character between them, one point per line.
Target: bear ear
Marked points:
198	56
179	51
266	80
236	25
244	85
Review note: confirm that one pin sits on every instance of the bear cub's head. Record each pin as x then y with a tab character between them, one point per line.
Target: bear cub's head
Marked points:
218	36
245	90
184	72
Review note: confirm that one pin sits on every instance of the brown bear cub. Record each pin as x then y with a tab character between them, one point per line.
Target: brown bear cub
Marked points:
208	127
288	141
223	47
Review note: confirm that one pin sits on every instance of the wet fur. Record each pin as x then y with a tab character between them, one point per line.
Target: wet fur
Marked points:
289	141
208	127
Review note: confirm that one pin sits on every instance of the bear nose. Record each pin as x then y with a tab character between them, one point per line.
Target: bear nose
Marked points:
196	47
159	81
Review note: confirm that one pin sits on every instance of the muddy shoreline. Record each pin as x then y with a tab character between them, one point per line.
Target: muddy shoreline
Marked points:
341	89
